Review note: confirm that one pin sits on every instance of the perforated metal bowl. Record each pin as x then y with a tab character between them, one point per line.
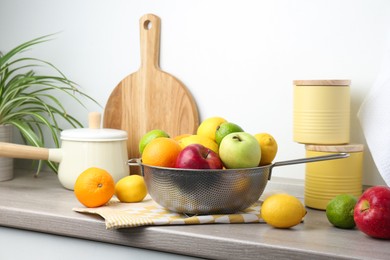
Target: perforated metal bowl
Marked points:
211	191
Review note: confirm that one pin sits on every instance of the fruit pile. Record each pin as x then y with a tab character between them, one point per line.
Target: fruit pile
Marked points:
95	187
217	144
370	212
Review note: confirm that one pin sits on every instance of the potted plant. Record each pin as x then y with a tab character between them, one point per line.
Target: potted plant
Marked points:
29	101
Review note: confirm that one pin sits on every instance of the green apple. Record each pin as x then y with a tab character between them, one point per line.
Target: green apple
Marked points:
224	129
240	150
149	136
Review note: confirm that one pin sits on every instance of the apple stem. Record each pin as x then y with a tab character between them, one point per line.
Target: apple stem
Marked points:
365	206
237	137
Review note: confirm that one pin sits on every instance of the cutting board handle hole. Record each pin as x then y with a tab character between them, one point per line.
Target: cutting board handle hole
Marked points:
147	25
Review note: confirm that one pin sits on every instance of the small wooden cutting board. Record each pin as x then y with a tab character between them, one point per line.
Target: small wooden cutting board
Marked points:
150	98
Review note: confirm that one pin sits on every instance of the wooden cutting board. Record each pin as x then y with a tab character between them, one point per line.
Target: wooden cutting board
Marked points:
150	98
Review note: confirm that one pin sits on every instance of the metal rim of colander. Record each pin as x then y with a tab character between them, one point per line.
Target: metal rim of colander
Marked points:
138	162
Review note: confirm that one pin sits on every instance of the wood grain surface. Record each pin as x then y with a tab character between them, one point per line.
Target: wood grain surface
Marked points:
42	204
150	98
323	82
348	148
11	150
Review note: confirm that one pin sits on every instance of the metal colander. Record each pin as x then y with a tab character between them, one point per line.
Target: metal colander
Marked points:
211	191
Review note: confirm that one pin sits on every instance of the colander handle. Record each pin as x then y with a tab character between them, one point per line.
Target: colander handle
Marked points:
312	159
134	162
308	160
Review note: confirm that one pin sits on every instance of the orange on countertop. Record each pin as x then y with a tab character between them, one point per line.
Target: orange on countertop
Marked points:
94	187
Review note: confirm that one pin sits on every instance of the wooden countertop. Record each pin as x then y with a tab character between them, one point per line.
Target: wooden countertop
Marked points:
42	204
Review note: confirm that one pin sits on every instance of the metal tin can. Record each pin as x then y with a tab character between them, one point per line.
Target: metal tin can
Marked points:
321	111
327	179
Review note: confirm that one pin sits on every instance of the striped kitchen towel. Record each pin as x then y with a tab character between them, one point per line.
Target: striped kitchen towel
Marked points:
149	213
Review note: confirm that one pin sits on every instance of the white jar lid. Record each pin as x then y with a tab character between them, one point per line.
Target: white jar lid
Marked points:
91	134
94	132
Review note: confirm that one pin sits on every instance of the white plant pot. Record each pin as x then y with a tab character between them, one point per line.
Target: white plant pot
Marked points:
6	164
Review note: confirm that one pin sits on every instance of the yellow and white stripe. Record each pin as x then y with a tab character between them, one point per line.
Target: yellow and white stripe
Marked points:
148	213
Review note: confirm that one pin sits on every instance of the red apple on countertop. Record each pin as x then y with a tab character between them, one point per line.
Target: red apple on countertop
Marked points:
197	156
372	212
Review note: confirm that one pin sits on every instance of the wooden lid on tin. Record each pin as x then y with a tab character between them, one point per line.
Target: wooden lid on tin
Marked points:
323	82
347	148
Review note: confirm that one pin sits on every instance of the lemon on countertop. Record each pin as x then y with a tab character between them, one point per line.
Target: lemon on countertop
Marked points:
131	188
282	210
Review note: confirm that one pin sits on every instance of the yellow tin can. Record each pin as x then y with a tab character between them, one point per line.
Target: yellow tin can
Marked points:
321	112
326	179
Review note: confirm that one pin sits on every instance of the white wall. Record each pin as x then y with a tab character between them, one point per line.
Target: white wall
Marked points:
238	58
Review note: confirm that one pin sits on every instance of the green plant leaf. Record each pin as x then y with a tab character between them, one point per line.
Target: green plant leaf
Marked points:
31	101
